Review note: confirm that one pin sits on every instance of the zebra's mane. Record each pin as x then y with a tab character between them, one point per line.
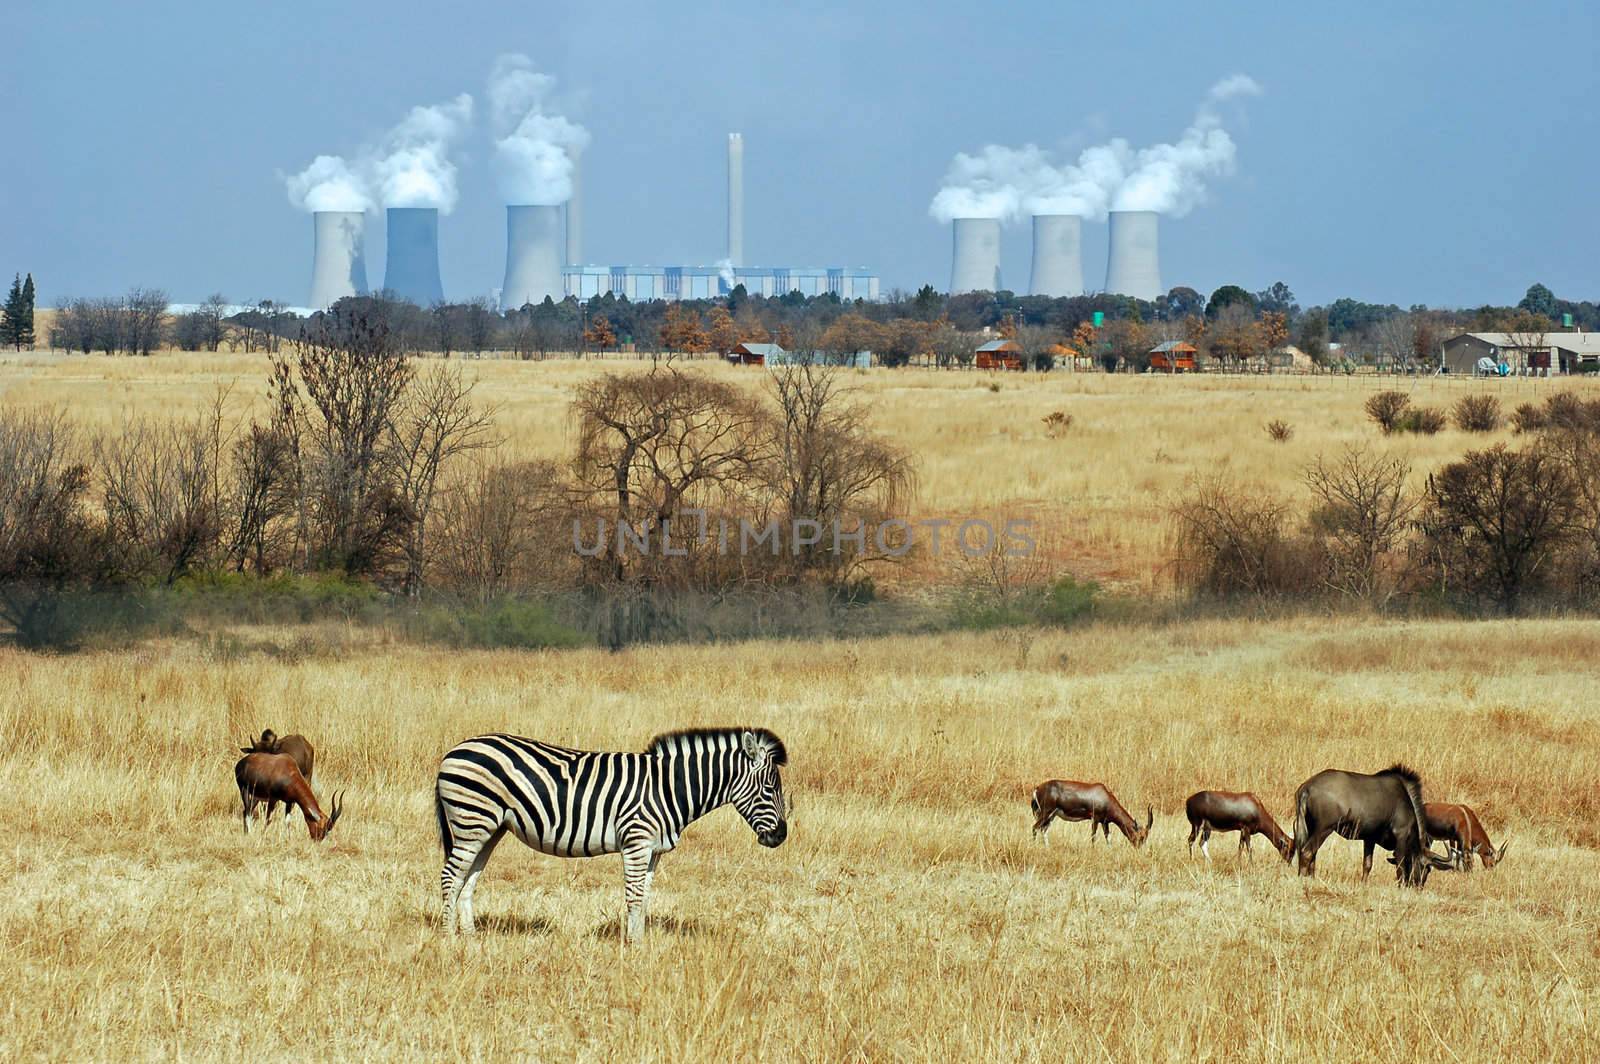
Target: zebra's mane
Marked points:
668	741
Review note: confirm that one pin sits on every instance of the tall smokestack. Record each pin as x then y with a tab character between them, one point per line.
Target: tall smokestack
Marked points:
975	259
1133	268
411	266
339	262
736	199
575	213
1057	255
533	256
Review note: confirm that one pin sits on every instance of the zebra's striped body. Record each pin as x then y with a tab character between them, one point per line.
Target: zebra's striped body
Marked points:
579	803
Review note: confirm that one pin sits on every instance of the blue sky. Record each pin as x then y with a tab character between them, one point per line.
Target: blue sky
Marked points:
1443	155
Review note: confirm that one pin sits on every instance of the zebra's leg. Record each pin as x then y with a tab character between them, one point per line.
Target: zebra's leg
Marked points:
649	882
636	862
470	880
464	849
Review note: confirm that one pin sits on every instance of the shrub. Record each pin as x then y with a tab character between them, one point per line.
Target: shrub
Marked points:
1056	423
1386	408
1528	418
1280	431
506	623
1477	413
1057	604
1231	542
1496	520
1426	420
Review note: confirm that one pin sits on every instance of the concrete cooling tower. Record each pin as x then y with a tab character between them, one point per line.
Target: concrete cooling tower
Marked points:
975	258
411	267
1133	268
339	262
1057	255
534	246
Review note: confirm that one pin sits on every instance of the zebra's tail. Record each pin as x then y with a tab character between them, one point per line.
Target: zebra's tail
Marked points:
445	838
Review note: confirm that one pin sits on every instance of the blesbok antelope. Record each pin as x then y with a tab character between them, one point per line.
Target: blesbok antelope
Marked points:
1210	811
296	746
1094	802
274	778
1380	809
1459	828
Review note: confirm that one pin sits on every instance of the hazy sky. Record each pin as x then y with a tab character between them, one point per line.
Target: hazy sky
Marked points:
1446	155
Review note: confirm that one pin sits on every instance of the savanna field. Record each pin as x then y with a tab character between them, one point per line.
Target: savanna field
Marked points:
909	915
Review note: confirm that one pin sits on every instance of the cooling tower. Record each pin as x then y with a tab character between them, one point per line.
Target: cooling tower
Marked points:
975	262
339	263
411	266
1057	255
533	256
575	215
736	199
1133	268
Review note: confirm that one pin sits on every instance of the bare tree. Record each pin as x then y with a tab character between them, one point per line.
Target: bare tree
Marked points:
504	528
478	324
434	422
161	495
144	320
1361	511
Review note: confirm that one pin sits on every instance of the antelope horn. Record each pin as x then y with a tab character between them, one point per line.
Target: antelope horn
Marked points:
1149	818
1500	854
338	808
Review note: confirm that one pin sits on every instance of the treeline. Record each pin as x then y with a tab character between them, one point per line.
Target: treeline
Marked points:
376	469
1500	529
1233	328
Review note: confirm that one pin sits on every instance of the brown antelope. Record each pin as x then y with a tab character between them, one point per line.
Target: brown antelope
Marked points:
274	778
1458	827
296	746
1094	802
1210	811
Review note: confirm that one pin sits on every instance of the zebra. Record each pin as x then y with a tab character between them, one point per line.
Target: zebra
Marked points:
581	803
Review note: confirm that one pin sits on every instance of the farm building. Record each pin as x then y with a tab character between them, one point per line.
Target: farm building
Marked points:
1524	353
999	354
750	354
756	354
1289	359
1172	356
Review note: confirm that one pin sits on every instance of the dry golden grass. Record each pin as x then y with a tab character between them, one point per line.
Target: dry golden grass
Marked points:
1097	495
909	917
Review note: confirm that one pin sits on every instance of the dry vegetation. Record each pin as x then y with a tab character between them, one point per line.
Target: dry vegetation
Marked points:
909	916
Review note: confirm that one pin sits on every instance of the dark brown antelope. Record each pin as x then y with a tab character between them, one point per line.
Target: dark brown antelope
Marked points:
1094	802
1459	828
296	746
1210	811
1381	809
274	778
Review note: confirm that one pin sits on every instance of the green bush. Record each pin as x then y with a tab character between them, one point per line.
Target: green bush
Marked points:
518	624
1055	605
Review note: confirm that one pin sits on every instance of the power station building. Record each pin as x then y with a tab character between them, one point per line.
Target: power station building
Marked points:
708	282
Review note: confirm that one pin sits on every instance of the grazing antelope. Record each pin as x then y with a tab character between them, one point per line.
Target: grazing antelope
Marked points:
274	778
1381	809
583	803
1458	827
1094	802
296	746
1210	811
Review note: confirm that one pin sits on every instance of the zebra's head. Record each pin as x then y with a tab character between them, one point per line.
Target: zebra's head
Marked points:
757	790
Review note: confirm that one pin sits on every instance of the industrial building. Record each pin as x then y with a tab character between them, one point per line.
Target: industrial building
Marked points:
709	282
1523	353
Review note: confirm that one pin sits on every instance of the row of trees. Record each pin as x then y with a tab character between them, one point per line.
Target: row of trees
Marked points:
1500	527
16	316
369	464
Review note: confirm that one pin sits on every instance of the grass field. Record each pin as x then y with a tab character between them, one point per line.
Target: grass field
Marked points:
1098	495
910	916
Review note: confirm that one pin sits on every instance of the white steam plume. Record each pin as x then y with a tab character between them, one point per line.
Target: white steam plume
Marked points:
1005	183
329	184
1171	178
412	166
534	148
725	271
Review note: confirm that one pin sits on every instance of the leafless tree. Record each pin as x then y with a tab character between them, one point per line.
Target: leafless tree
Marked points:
505	528
1361	510
161	495
434	422
144	313
478	324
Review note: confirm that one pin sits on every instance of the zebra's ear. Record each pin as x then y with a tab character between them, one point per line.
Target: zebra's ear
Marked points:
752	746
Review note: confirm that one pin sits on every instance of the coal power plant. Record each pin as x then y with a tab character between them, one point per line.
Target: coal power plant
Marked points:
534	245
1133	266
339	258
1057	255
411	265
975	255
